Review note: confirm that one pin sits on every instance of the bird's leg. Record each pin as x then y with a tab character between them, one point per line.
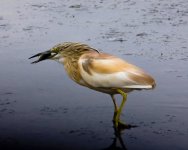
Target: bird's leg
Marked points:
115	107
117	117
124	95
117	111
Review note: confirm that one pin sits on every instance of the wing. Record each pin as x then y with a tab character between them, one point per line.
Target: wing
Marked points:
103	70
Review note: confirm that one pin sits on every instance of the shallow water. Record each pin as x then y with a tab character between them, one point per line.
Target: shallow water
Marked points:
40	107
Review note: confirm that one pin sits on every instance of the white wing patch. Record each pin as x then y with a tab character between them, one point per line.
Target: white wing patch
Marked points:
116	79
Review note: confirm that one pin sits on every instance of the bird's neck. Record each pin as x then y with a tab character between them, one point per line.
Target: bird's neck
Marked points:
71	67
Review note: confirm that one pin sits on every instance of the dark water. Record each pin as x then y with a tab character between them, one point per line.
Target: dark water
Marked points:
41	108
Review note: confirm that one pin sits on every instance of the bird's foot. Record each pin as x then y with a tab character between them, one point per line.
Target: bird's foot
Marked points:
121	125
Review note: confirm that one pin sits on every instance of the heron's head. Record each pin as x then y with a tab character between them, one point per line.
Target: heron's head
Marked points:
49	54
67	49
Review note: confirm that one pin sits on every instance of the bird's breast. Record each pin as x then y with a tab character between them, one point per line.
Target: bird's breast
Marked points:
71	67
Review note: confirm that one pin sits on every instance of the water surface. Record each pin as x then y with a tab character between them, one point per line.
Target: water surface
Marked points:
40	107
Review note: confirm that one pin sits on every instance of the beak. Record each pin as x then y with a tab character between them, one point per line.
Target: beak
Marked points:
42	56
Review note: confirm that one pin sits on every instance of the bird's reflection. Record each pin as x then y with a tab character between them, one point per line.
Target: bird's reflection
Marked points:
118	143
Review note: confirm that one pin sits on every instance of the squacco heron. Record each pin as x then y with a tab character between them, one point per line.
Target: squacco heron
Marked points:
99	71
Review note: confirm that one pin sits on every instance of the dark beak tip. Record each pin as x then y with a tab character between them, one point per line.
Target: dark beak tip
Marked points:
33	62
42	56
36	55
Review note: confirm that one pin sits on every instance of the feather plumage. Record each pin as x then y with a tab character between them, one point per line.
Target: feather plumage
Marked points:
101	70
